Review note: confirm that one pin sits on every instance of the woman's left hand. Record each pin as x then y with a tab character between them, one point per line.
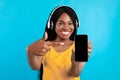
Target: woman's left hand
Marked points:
89	51
77	66
89	48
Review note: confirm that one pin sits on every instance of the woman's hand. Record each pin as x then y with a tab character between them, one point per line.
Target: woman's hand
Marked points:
40	47
36	51
89	51
89	48
76	67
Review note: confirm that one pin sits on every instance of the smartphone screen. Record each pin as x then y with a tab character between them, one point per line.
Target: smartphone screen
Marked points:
81	46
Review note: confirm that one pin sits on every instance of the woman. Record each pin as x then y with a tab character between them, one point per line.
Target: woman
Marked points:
54	54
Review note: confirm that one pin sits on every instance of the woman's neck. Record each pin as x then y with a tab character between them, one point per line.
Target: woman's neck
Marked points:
64	41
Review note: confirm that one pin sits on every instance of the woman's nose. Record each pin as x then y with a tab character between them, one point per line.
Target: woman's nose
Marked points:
66	26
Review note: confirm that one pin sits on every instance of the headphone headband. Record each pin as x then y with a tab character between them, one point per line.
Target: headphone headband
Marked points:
50	23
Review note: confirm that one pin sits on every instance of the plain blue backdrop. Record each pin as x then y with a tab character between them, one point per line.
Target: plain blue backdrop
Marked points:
22	22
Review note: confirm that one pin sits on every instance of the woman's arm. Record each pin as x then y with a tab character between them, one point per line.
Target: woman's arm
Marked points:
35	61
34	58
76	67
36	51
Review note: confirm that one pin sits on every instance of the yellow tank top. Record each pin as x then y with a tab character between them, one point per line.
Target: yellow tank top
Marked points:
56	65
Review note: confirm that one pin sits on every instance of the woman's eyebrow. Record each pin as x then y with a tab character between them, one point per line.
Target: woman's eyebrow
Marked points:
60	20
63	21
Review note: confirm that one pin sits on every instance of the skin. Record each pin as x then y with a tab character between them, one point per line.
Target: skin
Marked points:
64	28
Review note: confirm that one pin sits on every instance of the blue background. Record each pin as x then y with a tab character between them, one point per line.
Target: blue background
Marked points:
22	22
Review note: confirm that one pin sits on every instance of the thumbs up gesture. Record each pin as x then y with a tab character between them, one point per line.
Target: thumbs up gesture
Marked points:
40	47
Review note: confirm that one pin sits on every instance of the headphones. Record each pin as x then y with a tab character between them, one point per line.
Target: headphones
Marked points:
50	22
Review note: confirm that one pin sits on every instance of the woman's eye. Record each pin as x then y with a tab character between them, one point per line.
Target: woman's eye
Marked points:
60	23
70	23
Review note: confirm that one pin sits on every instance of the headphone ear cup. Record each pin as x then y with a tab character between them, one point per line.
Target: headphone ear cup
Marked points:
48	25
77	24
51	25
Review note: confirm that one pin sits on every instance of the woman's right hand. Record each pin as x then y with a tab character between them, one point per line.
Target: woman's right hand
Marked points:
40	47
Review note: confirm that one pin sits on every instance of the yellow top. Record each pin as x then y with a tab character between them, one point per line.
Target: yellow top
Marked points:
56	65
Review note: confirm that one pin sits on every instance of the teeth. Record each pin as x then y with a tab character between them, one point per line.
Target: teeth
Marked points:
65	33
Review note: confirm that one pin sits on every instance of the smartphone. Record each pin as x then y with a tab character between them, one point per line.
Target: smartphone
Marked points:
81	48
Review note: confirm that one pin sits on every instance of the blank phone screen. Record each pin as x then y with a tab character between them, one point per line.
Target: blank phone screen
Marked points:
81	46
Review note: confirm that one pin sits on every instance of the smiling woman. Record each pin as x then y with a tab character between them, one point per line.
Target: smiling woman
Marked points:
54	54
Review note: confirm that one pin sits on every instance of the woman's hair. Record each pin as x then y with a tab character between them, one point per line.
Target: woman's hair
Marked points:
53	18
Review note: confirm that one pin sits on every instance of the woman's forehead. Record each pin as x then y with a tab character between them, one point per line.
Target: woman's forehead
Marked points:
64	17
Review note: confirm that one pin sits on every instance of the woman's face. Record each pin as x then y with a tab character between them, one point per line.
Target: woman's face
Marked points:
64	27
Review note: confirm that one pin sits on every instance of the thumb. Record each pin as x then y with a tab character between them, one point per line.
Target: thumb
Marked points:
73	55
73	50
45	36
